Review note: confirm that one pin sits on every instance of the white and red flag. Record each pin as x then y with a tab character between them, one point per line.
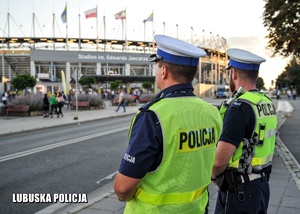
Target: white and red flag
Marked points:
91	13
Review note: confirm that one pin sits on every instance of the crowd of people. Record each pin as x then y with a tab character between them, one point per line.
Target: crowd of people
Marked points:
54	104
290	92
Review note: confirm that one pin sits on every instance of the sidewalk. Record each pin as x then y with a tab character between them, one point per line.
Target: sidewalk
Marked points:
11	124
284	182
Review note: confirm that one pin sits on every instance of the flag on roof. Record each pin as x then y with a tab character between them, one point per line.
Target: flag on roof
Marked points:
121	15
150	18
64	15
91	13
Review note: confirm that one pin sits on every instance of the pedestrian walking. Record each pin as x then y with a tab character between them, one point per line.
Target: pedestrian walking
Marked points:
53	105
278	93
294	93
289	93
60	103
121	101
4	102
112	94
135	98
46	104
70	99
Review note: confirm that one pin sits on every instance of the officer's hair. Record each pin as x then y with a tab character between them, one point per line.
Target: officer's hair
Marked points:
180	73
248	75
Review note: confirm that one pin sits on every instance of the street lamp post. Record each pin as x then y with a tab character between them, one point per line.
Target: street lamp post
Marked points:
3	70
76	93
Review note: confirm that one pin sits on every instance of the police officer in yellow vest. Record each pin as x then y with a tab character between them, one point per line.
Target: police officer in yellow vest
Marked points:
246	146
172	140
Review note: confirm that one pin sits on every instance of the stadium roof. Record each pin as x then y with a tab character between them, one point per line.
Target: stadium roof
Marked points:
124	79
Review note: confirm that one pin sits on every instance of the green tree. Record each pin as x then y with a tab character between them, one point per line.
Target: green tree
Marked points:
87	81
115	84
260	83
281	18
147	85
23	81
290	76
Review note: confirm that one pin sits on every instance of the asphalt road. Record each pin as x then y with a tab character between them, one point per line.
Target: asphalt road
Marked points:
69	159
290	130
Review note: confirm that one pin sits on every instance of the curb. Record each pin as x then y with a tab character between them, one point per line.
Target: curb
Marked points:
93	197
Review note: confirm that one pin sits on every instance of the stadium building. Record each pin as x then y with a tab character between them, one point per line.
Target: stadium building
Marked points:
48	59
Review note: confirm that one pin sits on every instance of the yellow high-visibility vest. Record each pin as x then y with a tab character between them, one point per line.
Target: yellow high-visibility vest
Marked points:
191	129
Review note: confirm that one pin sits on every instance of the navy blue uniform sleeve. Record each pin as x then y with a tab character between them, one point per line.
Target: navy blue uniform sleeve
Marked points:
144	151
239	122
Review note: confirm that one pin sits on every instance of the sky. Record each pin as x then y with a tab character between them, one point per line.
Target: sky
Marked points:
238	21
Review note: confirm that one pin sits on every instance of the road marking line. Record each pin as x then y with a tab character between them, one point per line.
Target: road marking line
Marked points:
64	143
284	106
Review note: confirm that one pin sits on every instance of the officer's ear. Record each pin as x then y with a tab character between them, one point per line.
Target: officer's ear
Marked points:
165	71
234	74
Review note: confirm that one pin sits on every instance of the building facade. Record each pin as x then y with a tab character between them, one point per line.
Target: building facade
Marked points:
53	68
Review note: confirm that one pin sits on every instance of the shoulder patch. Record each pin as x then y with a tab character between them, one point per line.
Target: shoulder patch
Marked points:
237	104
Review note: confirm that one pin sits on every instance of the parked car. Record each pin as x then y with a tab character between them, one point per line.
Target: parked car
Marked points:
222	92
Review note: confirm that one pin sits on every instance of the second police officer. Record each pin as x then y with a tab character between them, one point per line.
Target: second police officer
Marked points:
245	149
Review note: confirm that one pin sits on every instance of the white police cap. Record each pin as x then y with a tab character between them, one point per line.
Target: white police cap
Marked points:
176	51
243	59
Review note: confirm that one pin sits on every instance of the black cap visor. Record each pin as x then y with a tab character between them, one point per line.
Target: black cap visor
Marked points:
228	67
155	58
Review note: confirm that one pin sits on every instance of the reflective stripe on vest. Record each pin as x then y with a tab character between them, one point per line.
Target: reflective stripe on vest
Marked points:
255	161
171	198
262	161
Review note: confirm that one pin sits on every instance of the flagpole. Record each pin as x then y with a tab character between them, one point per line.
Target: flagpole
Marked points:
97	25
144	29
67	47
152	23
203	41
33	27
123	34
79	43
192	29
8	29
3	67
104	32
144	35
153	28
33	24
125	31
53	26
104	23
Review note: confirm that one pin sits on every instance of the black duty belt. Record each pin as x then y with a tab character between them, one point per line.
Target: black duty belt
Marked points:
245	178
